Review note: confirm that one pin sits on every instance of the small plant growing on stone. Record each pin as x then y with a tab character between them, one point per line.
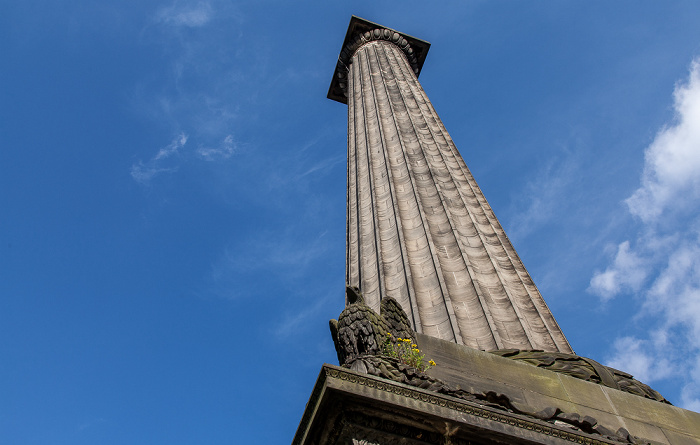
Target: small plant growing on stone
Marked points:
405	351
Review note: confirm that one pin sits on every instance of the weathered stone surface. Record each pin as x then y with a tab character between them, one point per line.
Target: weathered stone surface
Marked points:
363	338
680	439
360	331
348	407
560	395
666	417
583	368
463	367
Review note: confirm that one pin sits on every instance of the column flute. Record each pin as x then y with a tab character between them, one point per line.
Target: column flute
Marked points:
418	227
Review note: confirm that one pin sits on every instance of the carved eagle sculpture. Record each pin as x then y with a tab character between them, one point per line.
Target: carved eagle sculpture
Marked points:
361	331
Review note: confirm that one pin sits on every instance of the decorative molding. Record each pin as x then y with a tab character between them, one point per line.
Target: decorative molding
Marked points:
345	57
305	423
342	70
361	31
443	402
487	412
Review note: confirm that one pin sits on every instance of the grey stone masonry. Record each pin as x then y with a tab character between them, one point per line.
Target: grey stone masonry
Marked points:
418	227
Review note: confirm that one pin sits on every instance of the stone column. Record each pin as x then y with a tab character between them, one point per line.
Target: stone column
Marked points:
418	227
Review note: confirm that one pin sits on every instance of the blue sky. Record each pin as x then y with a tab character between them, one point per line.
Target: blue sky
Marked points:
172	197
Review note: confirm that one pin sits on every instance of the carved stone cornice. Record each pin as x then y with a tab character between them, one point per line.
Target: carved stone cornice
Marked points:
511	422
360	32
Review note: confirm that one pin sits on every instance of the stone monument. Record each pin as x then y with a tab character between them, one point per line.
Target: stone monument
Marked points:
445	339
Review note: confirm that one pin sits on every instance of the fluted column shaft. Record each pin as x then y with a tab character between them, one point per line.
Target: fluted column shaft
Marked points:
419	228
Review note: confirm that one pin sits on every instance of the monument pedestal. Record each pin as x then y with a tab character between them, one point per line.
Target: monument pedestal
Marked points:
514	400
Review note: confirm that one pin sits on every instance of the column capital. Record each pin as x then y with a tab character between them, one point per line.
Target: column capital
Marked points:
361	31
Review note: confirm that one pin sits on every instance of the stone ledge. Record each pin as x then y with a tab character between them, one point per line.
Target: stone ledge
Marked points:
339	391
478	371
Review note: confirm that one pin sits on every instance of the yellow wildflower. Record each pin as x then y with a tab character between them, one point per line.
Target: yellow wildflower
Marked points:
432	363
388	334
414	345
416	350
400	339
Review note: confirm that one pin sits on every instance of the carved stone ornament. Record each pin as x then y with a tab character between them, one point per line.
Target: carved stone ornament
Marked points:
366	37
392	369
359	332
583	368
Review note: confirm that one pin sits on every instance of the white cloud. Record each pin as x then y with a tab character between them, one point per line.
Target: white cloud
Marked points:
663	264
144	172
223	151
199	87
172	148
671	179
189	15
641	359
627	272
676	291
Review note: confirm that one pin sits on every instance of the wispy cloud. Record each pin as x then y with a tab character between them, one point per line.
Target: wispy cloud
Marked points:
223	151
163	161
298	319
551	187
287	258
185	15
172	148
322	165
199	87
144	172
289	253
662	265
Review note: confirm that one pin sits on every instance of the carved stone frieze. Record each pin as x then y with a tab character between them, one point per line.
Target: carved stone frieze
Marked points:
382	367
583	368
